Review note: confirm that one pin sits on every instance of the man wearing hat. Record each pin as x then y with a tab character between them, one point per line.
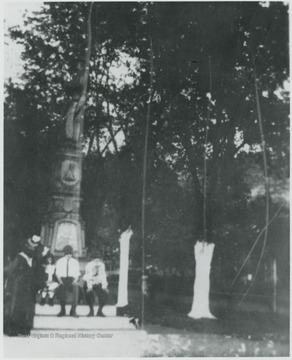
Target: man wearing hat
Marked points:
19	299
67	273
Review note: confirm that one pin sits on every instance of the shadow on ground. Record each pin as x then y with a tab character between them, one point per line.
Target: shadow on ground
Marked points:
246	325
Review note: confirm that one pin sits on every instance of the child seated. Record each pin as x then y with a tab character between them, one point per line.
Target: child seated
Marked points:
51	284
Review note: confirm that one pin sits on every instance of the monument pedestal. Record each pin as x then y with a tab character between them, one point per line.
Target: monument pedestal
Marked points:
64	225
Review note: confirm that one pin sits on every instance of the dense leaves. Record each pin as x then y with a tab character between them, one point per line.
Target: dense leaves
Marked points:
203	79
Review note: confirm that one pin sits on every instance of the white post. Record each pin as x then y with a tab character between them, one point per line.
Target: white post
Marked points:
124	267
203	256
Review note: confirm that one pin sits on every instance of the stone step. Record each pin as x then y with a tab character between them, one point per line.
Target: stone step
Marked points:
81	310
82	323
46	318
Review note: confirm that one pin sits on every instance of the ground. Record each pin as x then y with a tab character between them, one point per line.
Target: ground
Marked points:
173	333
167	332
189	344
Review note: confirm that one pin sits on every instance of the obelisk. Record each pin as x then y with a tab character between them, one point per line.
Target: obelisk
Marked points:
64	225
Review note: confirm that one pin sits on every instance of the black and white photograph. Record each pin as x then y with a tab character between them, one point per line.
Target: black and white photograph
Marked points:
146	179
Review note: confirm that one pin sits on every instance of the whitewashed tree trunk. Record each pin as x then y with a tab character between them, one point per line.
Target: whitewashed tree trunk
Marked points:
203	256
124	268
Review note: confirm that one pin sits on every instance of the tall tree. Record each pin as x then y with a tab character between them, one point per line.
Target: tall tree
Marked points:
184	36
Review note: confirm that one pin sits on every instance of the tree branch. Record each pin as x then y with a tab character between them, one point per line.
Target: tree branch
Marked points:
110	140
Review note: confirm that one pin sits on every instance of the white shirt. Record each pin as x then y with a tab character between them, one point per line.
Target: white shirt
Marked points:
95	274
73	267
50	270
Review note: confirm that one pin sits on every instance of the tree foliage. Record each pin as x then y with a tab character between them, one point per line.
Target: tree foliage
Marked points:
202	80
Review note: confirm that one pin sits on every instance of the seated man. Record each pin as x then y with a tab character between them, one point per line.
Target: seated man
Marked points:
67	273
95	283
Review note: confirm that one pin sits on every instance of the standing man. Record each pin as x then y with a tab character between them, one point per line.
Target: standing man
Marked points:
95	283
67	273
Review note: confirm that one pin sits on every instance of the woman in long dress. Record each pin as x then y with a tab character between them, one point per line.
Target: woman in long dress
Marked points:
19	299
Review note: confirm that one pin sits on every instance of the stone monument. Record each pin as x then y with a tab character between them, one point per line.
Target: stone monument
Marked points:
63	224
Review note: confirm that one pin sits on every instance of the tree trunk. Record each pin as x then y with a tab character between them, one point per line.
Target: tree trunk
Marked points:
203	256
124	267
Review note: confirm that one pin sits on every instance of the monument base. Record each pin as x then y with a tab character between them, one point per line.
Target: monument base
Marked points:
64	231
63	224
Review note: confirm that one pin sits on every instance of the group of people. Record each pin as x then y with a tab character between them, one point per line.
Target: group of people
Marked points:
95	282
35	271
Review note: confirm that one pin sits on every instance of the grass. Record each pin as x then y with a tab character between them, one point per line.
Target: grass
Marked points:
241	324
173	333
